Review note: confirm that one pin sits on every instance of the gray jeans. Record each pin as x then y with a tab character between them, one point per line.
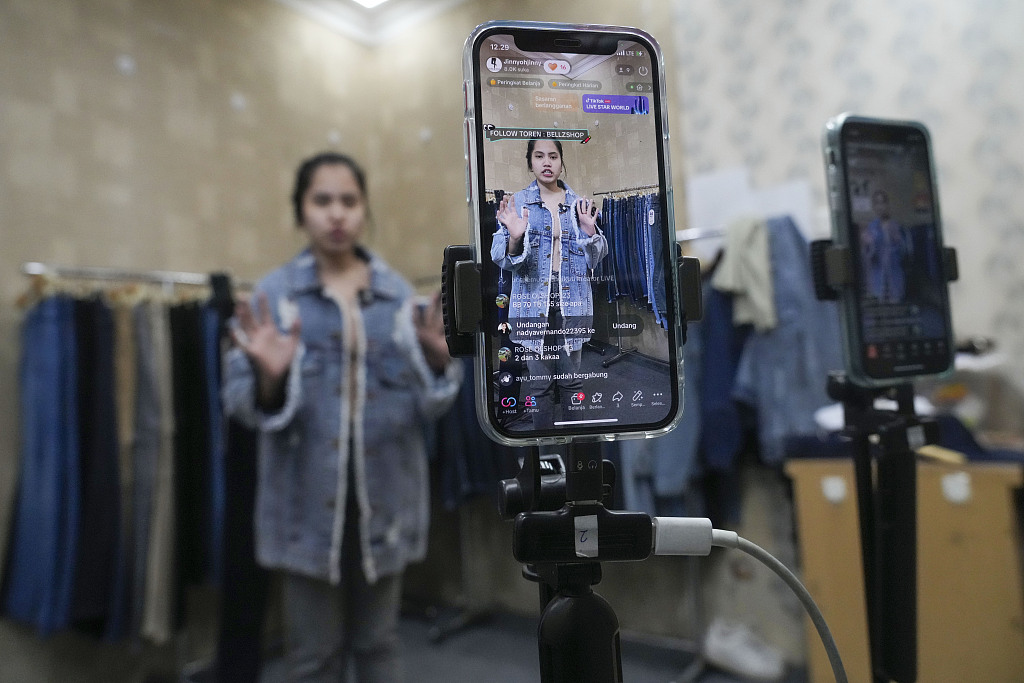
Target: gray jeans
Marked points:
328	628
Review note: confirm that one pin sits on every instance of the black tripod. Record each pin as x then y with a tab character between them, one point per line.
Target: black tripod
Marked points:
562	533
885	464
563	528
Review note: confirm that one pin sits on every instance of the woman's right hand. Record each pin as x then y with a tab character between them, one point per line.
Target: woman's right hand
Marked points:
270	350
513	222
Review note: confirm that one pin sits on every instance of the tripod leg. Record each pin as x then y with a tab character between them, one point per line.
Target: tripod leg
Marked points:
896	562
579	640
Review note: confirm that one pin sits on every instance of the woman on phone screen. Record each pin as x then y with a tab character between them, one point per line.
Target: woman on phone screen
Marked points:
549	238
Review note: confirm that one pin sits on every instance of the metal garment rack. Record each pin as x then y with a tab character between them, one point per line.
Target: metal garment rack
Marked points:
167	278
693	234
628	190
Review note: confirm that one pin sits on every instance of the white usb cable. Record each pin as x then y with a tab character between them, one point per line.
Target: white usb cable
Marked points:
695	536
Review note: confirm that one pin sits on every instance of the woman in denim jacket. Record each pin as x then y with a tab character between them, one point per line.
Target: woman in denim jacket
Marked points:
548	238
886	248
339	371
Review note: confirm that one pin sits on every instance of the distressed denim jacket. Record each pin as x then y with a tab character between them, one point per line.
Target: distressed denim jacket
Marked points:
370	404
531	282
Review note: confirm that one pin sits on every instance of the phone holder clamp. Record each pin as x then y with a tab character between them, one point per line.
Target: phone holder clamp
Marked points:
460	299
832	267
461	296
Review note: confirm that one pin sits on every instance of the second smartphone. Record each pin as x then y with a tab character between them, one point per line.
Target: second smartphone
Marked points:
885	209
570	200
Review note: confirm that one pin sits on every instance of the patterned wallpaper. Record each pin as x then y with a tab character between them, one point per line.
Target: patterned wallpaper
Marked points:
757	80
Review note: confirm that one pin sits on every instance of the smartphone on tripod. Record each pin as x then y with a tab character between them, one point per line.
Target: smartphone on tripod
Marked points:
570	202
885	209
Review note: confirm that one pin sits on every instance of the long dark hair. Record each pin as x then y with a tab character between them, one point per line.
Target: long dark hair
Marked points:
304	176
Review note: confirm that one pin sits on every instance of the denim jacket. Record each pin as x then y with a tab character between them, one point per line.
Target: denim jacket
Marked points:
884	256
783	372
531	284
305	447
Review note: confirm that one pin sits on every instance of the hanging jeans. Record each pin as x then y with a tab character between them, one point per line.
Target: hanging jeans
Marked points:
43	540
145	450
245	585
100	515
633	228
655	260
191	464
211	330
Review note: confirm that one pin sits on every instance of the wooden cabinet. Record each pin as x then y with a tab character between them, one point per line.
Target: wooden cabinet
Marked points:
970	597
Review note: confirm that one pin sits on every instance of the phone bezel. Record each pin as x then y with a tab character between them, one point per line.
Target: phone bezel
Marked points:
540	37
836	157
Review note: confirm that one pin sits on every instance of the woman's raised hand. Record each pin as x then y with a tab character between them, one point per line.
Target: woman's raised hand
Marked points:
270	350
510	218
586	212
429	324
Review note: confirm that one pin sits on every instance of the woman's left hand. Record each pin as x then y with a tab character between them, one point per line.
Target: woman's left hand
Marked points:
430	332
586	211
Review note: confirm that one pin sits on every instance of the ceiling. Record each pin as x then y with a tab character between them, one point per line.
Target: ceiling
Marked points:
370	26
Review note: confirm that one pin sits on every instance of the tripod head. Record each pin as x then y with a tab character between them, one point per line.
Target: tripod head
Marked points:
540	485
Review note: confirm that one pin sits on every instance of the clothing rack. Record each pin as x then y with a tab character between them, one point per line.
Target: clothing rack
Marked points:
218	285
489	195
629	189
693	234
623	353
98	273
167	278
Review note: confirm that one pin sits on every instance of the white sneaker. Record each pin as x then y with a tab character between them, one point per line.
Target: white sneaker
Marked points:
736	649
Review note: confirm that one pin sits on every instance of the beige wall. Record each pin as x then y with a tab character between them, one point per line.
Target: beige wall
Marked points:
163	134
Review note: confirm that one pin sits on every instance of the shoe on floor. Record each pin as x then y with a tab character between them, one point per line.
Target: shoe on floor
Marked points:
736	649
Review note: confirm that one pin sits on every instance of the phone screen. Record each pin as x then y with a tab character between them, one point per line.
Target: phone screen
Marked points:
576	235
902	306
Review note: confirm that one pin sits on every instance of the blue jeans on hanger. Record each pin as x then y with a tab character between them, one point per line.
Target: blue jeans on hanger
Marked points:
97	580
211	331
44	536
783	373
639	221
657	263
145	449
623	279
643	205
651	213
